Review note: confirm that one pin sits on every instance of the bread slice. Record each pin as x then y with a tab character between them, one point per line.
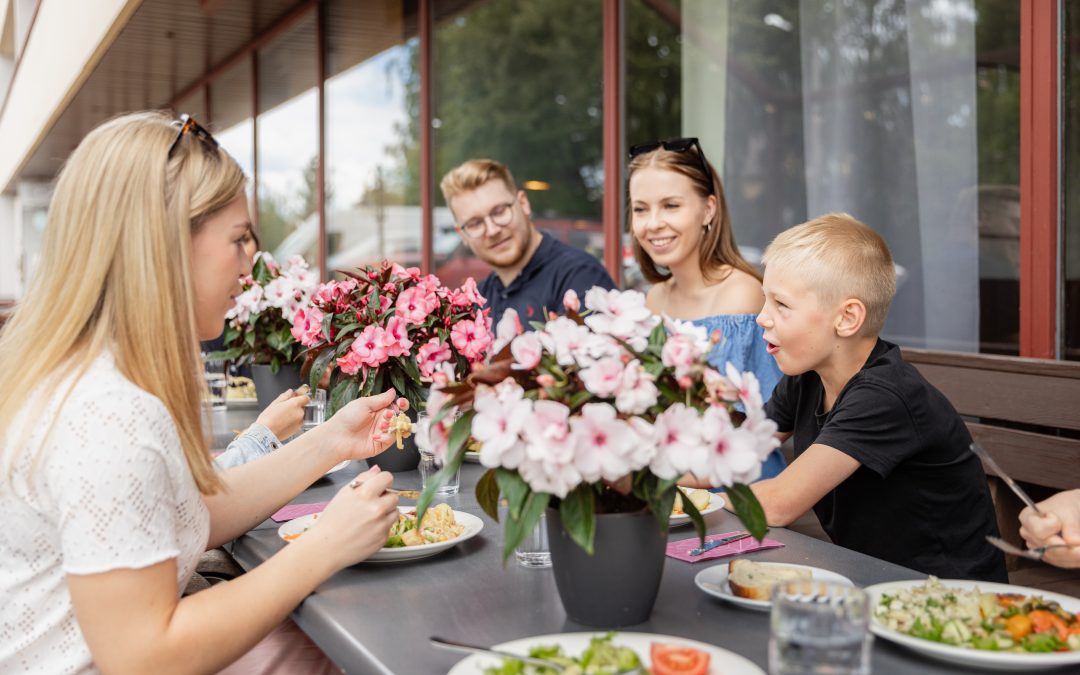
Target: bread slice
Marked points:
749	579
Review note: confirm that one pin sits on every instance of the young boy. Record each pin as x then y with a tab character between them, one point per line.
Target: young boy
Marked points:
880	454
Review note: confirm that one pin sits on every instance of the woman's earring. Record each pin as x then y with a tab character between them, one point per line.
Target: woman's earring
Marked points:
707	227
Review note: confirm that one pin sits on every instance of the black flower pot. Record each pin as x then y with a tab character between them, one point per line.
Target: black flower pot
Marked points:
394	460
270	385
617	585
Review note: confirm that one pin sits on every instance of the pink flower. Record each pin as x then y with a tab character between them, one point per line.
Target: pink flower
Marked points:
501	414
432	353
405	272
621	314
396	337
681	353
637	392
527	351
307	326
571	301
468	295
434	438
471	339
349	363
604	445
732	454
549	459
415	304
680	448
603	378
370	347
508	328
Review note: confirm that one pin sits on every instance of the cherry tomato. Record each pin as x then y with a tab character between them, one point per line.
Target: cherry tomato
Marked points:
678	660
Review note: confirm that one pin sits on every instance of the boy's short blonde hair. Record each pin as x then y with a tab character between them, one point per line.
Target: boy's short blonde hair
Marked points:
839	257
472	174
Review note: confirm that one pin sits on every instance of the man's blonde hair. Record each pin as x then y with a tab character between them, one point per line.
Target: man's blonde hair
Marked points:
838	257
116	275
472	174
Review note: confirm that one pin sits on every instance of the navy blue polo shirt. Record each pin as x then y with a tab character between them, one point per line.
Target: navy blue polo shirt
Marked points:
553	269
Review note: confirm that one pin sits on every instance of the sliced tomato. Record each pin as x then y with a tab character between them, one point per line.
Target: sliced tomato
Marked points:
678	660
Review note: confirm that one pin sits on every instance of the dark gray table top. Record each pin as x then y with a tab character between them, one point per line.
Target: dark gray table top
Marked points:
376	617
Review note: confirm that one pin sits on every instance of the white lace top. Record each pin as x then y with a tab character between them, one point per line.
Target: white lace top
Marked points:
111	489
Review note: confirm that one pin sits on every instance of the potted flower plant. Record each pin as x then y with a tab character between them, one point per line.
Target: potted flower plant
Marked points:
258	329
391	326
595	417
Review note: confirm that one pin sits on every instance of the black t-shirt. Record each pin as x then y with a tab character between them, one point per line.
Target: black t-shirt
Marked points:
920	497
553	269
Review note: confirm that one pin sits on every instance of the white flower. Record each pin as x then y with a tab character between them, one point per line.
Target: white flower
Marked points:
549	457
507	329
621	314
279	292
603	378
501	413
679	446
732	454
637	392
566	339
681	353
247	303
527	351
689	329
604	446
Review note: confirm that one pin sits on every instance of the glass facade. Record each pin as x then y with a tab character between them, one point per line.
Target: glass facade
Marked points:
521	83
1070	155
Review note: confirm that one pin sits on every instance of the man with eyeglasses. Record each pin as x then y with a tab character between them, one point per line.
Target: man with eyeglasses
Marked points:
533	270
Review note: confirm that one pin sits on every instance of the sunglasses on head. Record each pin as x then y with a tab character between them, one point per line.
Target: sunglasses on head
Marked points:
188	125
676	145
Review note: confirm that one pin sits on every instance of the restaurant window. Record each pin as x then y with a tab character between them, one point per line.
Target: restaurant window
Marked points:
228	111
1070	152
288	148
372	121
521	83
904	114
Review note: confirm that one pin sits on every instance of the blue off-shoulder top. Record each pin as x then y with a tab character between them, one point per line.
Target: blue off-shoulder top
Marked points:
743	344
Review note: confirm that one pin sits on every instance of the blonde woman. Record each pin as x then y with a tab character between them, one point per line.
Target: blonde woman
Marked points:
685	247
106	485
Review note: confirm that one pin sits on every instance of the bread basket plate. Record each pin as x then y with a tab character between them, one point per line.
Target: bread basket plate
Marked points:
716	502
714	581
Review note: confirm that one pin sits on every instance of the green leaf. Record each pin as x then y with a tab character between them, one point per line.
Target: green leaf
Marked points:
579	399
487	493
231	333
411	369
318	367
514	488
280	340
226	355
578	517
261	273
327	322
518	528
459	436
249	339
691	510
748	509
342	394
398	381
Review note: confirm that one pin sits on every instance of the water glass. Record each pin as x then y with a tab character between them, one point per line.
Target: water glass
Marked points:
314	410
429	466
534	551
216	381
819	628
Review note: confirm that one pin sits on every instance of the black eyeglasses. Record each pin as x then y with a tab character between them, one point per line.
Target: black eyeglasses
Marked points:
188	125
676	145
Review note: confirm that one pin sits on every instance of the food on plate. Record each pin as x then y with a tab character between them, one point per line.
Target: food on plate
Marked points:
1007	622
677	660
700	498
438	525
401	427
293	536
749	579
600	658
240	388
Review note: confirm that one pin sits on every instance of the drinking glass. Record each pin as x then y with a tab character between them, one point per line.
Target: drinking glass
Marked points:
534	551
314	410
429	466
819	628
216	381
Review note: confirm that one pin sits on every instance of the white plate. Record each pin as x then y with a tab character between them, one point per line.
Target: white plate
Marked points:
472	524
338	467
714	581
985	660
472	456
573	644
715	504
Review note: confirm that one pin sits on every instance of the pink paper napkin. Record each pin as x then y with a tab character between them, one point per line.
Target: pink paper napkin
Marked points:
296	510
680	550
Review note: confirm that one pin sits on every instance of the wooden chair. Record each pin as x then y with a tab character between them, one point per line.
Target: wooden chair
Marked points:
1026	414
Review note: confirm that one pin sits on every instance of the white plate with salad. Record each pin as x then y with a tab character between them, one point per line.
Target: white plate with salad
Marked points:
980	624
609	653
469	524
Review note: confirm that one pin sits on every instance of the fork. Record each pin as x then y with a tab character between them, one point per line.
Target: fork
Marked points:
1017	490
1032	553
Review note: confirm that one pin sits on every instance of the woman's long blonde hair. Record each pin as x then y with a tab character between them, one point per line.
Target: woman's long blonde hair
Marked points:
116	275
718	247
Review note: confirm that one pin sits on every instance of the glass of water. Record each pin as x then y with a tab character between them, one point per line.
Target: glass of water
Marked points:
429	466
216	381
533	551
819	628
314	410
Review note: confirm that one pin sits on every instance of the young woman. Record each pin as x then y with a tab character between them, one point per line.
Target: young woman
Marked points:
106	483
679	220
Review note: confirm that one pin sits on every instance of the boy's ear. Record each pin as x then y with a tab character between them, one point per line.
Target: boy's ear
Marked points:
850	319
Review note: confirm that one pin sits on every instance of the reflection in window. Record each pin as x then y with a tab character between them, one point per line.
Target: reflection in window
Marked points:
288	144
521	83
230	118
905	115
372	115
1070	152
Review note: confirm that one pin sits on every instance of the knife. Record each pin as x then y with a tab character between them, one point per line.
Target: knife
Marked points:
719	542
